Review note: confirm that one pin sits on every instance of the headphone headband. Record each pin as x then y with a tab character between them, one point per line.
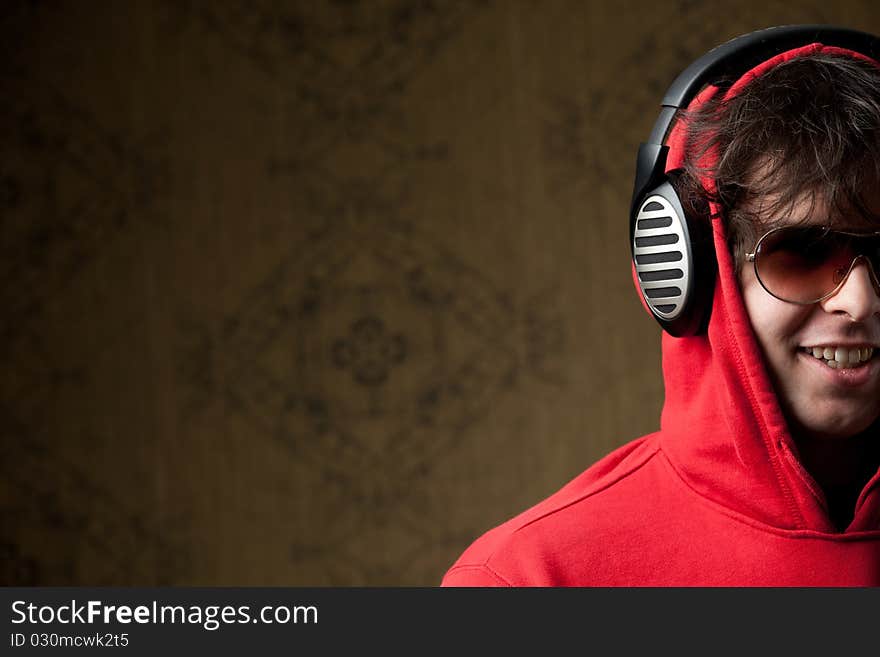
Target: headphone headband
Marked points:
740	54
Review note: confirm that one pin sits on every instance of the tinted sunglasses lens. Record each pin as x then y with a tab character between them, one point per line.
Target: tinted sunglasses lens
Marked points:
803	264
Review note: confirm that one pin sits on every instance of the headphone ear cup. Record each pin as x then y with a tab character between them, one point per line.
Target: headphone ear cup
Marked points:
674	261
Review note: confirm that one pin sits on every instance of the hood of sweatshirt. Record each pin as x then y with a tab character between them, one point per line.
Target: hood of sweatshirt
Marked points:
722	426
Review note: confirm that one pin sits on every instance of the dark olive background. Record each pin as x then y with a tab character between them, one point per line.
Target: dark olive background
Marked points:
315	293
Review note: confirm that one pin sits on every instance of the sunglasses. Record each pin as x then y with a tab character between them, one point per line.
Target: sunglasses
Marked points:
808	264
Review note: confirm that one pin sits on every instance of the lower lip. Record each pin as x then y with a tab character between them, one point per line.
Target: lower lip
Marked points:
851	377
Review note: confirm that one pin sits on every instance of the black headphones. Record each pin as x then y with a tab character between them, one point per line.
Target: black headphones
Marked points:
672	253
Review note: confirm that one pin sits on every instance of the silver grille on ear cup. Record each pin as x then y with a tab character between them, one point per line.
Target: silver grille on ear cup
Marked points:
662	256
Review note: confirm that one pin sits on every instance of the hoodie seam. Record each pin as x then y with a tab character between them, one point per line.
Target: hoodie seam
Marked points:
483	567
804	476
594	491
649	456
867	535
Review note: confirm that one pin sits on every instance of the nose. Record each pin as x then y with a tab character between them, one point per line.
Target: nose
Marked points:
859	294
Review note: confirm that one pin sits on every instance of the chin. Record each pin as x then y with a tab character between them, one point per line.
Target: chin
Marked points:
842	426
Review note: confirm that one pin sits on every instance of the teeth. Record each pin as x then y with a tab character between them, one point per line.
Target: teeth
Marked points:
840	357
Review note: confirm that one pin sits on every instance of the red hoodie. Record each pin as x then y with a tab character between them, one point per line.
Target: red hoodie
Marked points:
717	497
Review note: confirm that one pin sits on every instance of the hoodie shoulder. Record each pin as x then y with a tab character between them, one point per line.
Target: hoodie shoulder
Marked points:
527	549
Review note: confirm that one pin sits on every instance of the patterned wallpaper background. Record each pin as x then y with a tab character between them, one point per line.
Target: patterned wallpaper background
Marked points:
314	293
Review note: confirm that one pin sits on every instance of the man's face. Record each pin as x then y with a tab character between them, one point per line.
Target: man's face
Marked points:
819	400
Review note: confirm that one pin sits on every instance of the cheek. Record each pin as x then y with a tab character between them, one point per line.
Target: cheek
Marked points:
775	323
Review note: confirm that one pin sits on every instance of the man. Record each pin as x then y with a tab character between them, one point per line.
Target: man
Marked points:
765	468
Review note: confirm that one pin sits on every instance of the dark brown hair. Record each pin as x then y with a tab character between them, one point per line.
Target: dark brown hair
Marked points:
807	128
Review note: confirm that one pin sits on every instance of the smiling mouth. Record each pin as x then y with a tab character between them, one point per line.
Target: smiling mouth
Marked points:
840	358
